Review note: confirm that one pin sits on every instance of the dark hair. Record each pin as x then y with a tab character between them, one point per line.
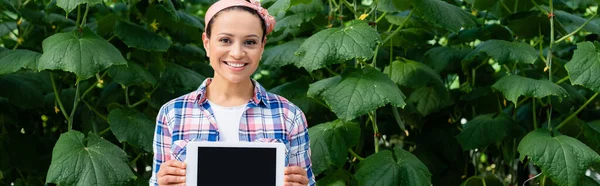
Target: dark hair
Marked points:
247	9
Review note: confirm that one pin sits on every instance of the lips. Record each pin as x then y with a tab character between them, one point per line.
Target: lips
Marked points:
235	64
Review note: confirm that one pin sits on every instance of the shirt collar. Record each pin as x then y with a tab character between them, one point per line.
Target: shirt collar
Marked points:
259	98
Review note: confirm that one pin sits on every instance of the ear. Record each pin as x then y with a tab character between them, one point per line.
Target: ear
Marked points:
206	43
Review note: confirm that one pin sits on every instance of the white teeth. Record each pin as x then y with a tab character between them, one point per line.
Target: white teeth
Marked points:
237	65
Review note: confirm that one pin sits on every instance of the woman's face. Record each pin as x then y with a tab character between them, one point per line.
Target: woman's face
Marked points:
235	45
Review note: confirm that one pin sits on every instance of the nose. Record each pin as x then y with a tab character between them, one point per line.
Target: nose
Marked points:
237	51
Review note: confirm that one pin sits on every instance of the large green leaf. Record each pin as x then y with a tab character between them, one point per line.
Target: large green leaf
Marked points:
591	131
484	130
411	73
131	74
7	27
295	91
584	67
571	22
392	168
338	178
281	55
84	55
335	45
133	127
482	181
443	58
429	99
487	32
504	52
177	77
317	88
91	161
14	60
445	15
562	158
361	91
279	6
410	38
141	38
514	86
22	90
330	143
69	5
190	20
301	13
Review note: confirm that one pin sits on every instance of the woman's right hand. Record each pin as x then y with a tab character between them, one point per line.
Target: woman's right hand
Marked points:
171	172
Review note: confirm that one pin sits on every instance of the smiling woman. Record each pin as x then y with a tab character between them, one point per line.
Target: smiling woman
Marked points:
231	106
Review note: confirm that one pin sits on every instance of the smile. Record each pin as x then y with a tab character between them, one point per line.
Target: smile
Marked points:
235	65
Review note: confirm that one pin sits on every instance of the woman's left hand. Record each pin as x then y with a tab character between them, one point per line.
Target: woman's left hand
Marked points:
295	176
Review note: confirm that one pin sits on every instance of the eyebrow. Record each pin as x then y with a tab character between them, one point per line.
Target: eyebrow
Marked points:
231	35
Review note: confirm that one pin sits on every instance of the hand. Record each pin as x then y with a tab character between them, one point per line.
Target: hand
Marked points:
295	176
171	173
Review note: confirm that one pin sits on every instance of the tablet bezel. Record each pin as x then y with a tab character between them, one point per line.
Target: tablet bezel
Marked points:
192	156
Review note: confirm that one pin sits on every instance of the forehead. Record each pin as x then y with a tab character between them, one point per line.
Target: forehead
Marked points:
237	22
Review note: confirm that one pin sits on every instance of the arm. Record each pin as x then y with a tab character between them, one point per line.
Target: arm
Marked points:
161	144
300	146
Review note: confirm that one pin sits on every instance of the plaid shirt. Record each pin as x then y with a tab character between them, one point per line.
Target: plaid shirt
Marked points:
268	118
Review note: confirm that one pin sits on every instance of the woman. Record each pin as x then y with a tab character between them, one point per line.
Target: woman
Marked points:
231	106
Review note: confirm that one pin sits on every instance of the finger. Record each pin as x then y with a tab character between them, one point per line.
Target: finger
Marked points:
292	184
175	171
294	170
296	178
171	180
178	164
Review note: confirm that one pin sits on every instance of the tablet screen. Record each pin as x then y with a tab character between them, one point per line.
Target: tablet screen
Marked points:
236	166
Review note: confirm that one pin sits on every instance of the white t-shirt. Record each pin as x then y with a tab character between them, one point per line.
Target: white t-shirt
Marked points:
228	121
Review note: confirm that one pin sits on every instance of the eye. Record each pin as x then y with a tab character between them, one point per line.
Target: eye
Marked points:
250	42
225	40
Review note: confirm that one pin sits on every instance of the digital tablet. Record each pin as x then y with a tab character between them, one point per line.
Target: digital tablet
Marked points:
235	163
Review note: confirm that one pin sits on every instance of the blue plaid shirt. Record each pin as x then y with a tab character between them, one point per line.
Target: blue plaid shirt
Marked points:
268	118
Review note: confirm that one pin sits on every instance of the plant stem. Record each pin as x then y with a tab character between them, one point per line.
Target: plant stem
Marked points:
577	30
398	118
505	7
104	131
374	62
355	155
137	103
373	119
136	158
577	112
57	97
549	58
562	80
516	6
380	17
75	103
126	90
94	110
397	29
78	15
83	21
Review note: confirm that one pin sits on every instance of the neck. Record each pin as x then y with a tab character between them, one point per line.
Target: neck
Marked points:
229	94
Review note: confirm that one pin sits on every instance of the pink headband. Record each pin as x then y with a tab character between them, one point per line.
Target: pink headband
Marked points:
223	4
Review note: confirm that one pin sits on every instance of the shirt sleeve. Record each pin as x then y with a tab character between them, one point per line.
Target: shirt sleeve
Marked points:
161	143
300	146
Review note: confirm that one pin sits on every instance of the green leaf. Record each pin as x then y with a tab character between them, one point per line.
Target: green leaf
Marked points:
514	86
439	58
484	130
91	161
24	90
131	74
588	181
133	127
338	178
429	99
504	52
361	91
335	45
83	55
520	24
591	131
189	20
584	67
317	88
392	168
562	158
7	27
330	143
295	91
411	73
14	60
410	38
69	5
296	2
6	4
279	6
302	13
445	15
141	38
387	6
484	4
571	22
177	77
487	32
282	54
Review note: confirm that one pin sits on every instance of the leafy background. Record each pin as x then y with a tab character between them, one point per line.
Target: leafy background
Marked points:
396	92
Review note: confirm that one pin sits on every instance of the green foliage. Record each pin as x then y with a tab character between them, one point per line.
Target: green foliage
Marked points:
396	92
